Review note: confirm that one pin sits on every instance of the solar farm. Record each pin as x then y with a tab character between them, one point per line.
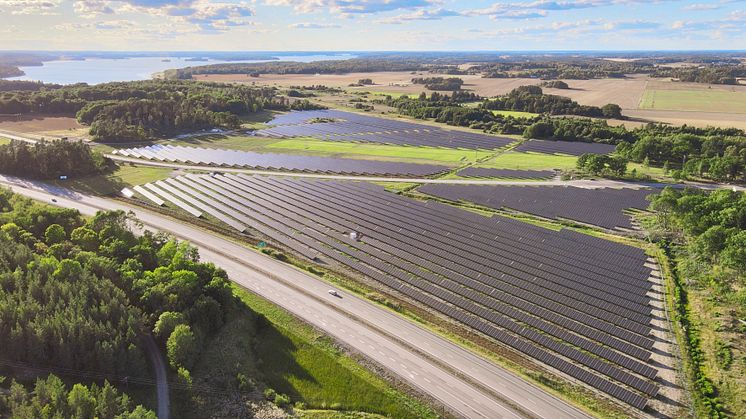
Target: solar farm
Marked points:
573	148
347	126
486	172
579	305
598	207
279	162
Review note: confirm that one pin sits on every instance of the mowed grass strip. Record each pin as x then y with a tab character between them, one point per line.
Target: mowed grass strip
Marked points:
515	114
343	149
530	161
113	182
297	360
694	100
4	141
354	149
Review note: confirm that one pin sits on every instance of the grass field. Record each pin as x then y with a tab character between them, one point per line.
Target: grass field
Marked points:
296	360
516	114
4	141
530	161
314	147
113	182
694	100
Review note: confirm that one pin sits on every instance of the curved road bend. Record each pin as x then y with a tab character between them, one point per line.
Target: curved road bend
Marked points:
580	183
417	356
161	376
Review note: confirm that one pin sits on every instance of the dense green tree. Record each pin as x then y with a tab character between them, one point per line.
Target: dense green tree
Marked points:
181	347
54	234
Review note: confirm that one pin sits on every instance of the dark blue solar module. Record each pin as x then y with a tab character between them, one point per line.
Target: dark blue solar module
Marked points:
348	126
577	303
281	162
600	207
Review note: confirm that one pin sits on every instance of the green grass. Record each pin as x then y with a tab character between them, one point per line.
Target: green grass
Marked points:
356	150
694	100
386	151
113	182
516	114
297	360
530	161
4	141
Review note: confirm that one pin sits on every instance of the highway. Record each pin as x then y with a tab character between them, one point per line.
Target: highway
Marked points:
466	384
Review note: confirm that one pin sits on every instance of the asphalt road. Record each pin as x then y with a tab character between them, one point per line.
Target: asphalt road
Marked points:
422	359
161	377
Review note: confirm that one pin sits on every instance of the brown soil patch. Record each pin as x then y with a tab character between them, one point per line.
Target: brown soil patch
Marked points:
39	124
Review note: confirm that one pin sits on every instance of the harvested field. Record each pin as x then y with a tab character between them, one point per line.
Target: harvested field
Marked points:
697	119
39	124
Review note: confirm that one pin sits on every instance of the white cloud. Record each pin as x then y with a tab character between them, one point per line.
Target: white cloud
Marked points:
29	7
311	25
351	7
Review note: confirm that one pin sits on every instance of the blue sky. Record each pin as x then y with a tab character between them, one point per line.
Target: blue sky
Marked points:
276	25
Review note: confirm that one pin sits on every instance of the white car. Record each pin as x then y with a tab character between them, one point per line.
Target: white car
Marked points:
334	293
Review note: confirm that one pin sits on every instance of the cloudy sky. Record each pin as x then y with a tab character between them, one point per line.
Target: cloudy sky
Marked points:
279	25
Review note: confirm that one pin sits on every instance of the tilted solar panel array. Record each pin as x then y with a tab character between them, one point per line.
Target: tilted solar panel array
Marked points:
576	303
574	148
282	162
347	126
472	171
600	207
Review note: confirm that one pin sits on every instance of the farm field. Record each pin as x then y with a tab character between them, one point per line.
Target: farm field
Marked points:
41	124
529	161
694	100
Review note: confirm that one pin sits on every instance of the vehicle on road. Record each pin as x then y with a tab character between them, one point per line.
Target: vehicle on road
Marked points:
335	293
54	199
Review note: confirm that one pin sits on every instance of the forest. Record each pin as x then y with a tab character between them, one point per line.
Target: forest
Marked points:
79	294
142	110
50	160
532	99
580	69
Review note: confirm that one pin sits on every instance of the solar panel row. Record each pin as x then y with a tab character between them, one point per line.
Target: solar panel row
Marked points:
347	126
600	207
472	171
574	148
283	162
567	299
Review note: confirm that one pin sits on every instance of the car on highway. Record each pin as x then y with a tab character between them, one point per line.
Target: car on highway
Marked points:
335	293
54	200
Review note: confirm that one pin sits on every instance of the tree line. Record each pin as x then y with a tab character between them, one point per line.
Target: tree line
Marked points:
354	65
704	236
449	84
532	99
51	159
710	74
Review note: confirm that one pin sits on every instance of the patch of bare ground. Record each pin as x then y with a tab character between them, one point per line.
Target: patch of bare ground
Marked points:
36	124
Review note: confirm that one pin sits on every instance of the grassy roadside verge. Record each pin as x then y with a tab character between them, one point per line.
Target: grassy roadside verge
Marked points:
318	373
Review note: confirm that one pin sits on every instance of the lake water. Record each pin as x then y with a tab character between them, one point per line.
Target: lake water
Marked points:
103	70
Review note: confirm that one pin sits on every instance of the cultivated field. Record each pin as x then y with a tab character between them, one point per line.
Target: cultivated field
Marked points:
40	124
714	100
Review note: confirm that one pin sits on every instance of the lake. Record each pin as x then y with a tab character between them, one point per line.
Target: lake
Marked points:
103	70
